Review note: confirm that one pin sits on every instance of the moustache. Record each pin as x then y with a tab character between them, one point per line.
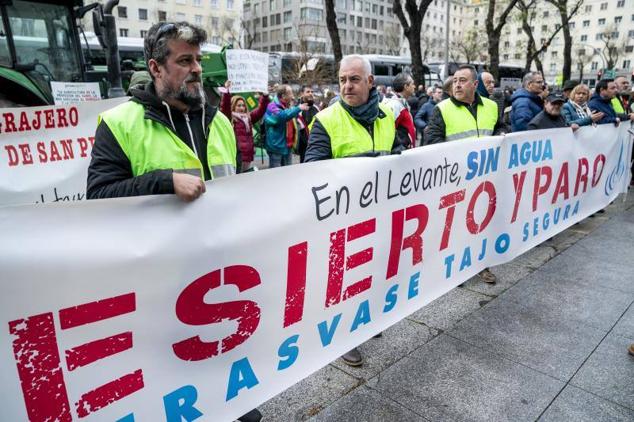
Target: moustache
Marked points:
194	78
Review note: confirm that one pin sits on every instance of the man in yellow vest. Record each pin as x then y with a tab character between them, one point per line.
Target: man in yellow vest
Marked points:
466	114
357	125
622	100
166	139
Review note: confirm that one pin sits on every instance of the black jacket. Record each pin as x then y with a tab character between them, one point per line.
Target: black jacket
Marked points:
110	172
436	126
546	121
319	141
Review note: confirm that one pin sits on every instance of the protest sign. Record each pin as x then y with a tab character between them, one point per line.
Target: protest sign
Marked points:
150	308
65	93
45	151
244	70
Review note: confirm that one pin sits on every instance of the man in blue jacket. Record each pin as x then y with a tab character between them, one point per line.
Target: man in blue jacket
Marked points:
424	113
281	130
526	101
601	101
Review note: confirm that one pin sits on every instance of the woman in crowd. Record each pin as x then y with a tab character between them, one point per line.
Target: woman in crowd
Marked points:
235	108
576	109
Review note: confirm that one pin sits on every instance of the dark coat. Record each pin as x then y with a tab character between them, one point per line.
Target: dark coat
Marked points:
244	137
526	105
598	103
545	121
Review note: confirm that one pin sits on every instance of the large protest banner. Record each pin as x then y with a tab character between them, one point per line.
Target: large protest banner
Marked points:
45	151
149	308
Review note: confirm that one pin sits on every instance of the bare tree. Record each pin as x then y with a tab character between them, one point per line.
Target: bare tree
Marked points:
333	30
412	29
430	41
566	14
612	48
469	46
494	30
392	37
308	67
527	14
242	36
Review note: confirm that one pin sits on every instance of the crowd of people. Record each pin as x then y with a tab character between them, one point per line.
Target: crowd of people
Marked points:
168	139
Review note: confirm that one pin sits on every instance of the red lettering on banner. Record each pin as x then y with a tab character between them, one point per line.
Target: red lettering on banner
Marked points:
518	186
39	369
562	187
596	176
90	352
61	117
88	313
489	188
413	241
83	145
582	175
9	123
109	393
336	269
449	201
49	119
37	121
12	153
295	283
539	188
24	122
191	309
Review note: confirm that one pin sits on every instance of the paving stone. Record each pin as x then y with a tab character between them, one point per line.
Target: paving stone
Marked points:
609	371
450	308
536	257
526	335
625	326
449	380
379	353
507	275
570	300
577	405
565	239
366	405
309	396
574	264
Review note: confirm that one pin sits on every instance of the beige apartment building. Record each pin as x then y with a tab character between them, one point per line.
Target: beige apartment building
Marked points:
220	18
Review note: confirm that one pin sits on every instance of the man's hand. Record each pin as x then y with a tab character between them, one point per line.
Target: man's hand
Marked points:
304	107
187	187
574	127
596	116
632	117
228	84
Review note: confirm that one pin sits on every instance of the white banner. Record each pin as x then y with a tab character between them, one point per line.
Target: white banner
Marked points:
244	70
45	151
68	93
149	308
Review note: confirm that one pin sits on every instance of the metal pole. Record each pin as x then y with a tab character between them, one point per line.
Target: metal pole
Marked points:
112	53
447	42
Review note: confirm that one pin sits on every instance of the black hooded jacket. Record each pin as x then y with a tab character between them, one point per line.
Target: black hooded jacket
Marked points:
110	171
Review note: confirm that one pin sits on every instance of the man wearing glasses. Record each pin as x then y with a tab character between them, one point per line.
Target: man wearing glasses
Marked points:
166	139
526	102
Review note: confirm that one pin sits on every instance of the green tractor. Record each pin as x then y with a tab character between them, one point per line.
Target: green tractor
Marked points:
40	43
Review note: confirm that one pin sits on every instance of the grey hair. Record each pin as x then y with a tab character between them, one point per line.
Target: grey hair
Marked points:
367	67
400	80
528	78
155	44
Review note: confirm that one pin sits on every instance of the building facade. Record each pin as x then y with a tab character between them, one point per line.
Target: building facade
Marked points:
220	18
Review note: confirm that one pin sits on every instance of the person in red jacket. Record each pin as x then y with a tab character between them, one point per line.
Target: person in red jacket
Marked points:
404	87
235	108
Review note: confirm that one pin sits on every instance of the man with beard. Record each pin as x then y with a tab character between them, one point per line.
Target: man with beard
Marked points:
305	119
166	139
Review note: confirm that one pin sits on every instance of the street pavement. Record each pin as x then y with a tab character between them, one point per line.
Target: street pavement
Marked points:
547	342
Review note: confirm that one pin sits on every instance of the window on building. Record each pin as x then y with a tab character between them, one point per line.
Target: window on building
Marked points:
198	19
626	64
544	28
181	2
506	57
229	4
374	24
123	32
594	65
216	40
519	30
278	18
375	9
122	11
584	38
620	3
517	56
571	25
546	13
265	22
143	33
162	15
288	34
288	17
553	54
604	6
367	23
630	34
142	14
598	37
586	24
214	22
197	3
315	15
213	4
618	19
629	48
588	8
359	22
601	21
476	22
